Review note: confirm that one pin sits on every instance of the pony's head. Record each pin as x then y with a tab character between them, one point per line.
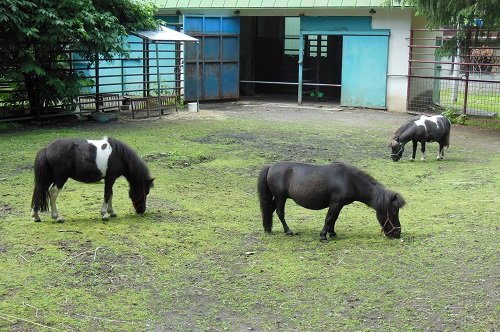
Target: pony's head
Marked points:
388	216
138	194
397	148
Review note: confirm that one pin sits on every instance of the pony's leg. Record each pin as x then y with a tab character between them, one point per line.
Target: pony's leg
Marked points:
280	211
422	148
104	211
35	216
440	155
107	207
111	211
331	218
53	193
414	150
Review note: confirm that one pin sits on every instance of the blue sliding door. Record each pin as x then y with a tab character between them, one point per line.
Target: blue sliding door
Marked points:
364	71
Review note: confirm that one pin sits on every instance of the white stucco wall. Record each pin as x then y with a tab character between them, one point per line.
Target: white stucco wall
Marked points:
399	22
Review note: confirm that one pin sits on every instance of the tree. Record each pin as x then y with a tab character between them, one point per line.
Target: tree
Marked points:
469	16
453	13
37	35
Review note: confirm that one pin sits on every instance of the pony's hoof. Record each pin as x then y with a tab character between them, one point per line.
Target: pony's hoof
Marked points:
332	234
289	232
105	218
57	218
412	159
37	219
323	238
112	215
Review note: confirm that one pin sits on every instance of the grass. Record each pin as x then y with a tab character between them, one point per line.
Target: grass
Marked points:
198	259
476	102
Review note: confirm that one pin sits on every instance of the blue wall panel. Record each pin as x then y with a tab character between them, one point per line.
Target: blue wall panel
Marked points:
126	76
211	80
231	25
332	23
219	57
230	48
211	48
212	25
230	80
167	67
193	24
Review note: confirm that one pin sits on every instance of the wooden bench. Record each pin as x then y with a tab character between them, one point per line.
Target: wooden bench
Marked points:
107	102
148	106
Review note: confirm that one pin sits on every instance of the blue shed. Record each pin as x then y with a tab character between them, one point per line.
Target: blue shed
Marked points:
345	52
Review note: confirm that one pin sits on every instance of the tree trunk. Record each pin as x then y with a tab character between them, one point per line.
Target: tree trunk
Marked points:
32	87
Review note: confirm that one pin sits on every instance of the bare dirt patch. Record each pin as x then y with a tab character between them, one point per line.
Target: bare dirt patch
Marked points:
364	119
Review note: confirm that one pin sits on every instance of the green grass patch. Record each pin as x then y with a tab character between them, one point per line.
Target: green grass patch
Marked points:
198	260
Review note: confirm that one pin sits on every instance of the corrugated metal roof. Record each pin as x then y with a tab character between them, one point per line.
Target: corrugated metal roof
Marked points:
256	4
165	34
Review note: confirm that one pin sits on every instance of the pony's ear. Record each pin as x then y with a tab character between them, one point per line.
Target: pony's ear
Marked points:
393	142
398	200
150	183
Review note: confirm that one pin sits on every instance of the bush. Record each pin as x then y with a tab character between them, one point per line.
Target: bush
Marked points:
455	117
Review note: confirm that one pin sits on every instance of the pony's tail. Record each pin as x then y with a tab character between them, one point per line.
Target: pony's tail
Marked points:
446	139
43	180
267	202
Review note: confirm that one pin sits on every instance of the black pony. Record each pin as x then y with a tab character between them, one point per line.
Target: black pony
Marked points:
421	129
327	186
88	161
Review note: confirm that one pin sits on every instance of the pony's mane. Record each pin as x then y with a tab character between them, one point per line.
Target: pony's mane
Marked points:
136	167
403	128
359	173
382	196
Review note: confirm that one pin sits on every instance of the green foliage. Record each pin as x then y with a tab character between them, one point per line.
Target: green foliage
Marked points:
454	117
4	126
36	36
453	13
468	15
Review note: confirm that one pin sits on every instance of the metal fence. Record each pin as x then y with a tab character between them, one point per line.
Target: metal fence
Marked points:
468	82
146	83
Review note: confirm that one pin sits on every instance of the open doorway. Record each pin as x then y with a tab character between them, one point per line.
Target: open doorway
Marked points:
269	55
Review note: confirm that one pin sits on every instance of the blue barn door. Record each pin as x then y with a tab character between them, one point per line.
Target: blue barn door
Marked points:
364	71
219	58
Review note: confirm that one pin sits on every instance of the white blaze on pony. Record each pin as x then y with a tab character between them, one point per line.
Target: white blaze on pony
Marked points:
421	129
88	161
423	118
103	152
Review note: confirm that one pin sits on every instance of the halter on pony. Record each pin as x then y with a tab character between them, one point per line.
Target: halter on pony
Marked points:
388	220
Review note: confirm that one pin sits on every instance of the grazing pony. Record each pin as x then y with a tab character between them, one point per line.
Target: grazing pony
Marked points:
331	186
421	129
88	161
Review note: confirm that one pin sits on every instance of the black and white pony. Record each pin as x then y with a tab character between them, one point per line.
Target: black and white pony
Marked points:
331	186
421	129
88	161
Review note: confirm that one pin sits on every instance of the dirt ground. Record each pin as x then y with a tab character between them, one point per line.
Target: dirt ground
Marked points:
290	111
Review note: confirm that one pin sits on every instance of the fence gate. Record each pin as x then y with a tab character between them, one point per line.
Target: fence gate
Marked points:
468	82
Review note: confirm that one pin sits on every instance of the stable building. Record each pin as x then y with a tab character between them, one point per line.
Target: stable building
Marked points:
348	52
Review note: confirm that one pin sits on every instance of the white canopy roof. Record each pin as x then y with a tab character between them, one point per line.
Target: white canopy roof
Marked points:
165	34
